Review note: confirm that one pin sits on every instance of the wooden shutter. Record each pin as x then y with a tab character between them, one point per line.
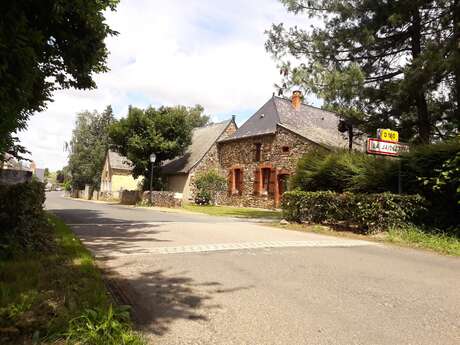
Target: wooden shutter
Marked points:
230	182
256	182
241	186
272	182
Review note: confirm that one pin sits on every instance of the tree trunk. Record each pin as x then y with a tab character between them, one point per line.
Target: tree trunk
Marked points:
423	117
350	137
456	53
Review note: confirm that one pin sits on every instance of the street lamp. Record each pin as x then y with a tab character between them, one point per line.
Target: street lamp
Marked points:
153	158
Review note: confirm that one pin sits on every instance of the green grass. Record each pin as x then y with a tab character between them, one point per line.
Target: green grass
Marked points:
42	295
412	237
228	211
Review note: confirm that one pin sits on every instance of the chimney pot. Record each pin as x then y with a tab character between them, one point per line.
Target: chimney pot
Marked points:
296	99
233	118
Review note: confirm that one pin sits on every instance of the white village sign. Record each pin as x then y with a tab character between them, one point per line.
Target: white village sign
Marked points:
386	148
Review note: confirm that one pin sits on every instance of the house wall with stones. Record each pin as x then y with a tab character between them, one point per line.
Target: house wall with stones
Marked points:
279	154
210	161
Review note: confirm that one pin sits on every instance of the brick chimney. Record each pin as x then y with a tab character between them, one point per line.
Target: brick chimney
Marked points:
296	99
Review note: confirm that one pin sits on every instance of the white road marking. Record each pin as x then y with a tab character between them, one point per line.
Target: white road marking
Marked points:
244	245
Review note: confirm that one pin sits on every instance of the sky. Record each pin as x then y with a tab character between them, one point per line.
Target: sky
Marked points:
208	52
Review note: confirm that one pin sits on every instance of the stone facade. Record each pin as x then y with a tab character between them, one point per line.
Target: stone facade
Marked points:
279	153
210	161
163	199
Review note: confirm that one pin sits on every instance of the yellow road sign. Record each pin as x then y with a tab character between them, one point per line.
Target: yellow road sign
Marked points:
387	134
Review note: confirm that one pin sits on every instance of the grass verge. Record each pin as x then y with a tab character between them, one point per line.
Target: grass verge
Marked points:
59	297
412	237
239	212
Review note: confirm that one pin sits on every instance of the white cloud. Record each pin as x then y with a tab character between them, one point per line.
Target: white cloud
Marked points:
170	52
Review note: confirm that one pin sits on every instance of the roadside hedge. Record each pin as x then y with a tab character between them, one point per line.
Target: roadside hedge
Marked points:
368	212
23	221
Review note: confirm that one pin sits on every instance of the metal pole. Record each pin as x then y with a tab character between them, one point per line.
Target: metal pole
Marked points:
151	182
399	177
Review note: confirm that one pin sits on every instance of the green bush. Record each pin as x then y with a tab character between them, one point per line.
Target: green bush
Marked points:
433	171
24	225
209	184
368	212
342	171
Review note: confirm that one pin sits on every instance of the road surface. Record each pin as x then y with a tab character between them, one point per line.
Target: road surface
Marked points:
196	279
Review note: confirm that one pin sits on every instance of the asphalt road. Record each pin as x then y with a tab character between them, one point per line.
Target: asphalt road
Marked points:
195	279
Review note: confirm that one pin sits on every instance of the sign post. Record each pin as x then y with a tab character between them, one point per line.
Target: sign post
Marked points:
387	144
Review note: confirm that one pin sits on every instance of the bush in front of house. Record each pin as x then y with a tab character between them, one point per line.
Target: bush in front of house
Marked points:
344	171
24	224
432	171
368	212
209	184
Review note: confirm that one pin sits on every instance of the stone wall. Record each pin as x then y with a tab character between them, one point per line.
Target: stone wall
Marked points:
163	199
241	154
130	197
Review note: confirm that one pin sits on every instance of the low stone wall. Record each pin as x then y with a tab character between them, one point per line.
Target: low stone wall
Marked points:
130	197
162	199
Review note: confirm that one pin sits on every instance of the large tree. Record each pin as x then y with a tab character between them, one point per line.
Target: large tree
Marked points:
378	63
164	131
88	147
46	45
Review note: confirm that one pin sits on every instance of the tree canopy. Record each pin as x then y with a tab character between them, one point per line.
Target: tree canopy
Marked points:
165	131
378	63
88	147
46	45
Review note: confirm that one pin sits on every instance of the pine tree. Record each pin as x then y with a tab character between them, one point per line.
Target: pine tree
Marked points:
378	63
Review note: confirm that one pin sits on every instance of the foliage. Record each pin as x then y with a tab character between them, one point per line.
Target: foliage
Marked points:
88	147
418	237
103	327
379	64
431	171
341	171
369	212
24	223
209	184
41	292
67	186
46	45
165	131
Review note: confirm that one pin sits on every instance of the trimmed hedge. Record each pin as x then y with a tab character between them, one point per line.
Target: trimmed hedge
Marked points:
23	222
369	212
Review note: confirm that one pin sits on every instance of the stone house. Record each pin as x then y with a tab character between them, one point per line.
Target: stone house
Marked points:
261	155
201	155
116	175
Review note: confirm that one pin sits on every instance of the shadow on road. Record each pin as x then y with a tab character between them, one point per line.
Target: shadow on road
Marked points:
158	298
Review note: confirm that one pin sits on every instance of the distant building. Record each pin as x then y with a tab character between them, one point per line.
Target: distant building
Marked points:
13	171
117	175
200	156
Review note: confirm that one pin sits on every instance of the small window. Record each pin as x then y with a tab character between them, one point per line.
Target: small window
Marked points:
285	149
258	147
265	180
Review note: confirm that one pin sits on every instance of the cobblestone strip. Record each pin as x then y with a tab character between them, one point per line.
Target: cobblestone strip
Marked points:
248	245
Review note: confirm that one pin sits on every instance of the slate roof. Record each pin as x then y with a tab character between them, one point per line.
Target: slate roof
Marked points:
314	124
119	162
202	140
